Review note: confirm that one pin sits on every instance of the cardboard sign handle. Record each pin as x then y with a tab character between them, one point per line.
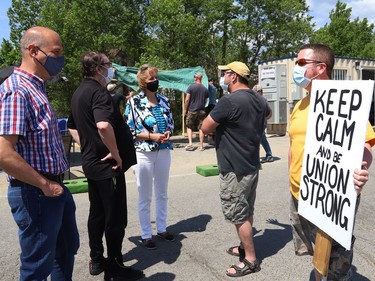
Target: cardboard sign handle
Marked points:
322	252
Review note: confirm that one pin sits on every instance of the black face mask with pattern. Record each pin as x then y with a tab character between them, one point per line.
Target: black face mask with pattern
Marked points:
153	86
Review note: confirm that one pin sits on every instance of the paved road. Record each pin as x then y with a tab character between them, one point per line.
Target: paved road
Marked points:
202	235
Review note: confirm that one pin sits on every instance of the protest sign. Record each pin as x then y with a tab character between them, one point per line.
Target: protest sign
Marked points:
336	130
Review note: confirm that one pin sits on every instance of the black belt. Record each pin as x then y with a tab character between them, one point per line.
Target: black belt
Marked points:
57	178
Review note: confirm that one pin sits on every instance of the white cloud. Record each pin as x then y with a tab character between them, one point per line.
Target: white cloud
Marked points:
360	8
363	9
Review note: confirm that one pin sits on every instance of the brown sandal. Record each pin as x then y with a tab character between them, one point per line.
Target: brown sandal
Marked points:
249	267
241	252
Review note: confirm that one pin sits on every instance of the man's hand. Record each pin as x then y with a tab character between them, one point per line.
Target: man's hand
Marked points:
360	177
117	159
52	189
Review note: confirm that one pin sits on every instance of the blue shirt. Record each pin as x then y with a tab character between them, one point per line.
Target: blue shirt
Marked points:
141	117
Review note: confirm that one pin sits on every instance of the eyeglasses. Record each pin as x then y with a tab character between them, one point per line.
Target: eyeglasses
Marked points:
143	68
107	63
303	62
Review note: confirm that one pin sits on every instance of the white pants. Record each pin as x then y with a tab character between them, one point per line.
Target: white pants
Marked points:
152	168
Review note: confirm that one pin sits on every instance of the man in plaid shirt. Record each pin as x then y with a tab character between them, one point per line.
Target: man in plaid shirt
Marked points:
32	154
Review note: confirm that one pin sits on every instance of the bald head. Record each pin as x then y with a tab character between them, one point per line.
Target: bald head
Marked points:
39	36
37	45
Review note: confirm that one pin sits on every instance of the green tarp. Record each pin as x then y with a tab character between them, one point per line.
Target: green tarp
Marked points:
179	79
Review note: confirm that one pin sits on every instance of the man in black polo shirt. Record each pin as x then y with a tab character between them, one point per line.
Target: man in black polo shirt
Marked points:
107	152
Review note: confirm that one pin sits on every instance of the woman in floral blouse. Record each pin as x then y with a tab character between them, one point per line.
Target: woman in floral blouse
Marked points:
150	120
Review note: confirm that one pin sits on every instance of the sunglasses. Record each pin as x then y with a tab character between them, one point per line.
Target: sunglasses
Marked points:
228	72
303	62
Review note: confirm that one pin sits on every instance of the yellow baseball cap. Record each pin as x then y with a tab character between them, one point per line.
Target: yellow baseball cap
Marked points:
239	67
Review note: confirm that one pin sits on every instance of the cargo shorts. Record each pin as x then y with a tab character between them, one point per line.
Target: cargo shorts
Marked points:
237	194
195	119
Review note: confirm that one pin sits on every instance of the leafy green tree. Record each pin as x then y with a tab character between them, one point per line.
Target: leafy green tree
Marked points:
22	15
167	33
346	37
269	29
9	55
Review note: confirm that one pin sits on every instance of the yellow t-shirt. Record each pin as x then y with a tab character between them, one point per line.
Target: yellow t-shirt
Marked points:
297	134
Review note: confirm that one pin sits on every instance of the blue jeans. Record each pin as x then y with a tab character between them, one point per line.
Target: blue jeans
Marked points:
47	232
266	145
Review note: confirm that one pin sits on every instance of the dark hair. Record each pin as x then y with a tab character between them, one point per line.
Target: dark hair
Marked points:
242	80
90	61
324	54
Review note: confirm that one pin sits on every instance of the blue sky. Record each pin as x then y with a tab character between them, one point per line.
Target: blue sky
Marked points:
318	9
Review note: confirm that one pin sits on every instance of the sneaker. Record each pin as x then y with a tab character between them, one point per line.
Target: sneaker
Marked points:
149	244
166	236
119	272
95	267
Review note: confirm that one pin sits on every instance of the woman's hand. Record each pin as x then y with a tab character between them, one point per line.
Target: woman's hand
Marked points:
167	136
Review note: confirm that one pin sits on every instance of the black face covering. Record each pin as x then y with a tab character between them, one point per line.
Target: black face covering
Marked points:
153	86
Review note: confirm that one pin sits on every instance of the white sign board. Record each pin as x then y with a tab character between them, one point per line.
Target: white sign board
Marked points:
336	131
268	72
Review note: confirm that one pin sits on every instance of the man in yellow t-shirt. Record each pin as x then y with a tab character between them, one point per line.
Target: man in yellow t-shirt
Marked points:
316	61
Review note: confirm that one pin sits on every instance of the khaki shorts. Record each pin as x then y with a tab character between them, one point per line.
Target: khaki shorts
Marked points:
237	196
194	119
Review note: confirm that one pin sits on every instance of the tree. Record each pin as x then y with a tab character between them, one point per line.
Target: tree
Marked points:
22	15
167	33
269	29
9	55
347	38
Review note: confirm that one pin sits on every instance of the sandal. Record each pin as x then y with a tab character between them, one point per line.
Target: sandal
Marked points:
241	252
249	267
189	147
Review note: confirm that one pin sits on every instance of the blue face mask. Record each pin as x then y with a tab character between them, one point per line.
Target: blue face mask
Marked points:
299	76
223	85
53	65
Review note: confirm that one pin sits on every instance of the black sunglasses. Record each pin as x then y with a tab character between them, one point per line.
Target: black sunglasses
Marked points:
303	62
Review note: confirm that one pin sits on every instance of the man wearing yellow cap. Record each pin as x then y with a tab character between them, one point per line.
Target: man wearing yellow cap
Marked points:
239	122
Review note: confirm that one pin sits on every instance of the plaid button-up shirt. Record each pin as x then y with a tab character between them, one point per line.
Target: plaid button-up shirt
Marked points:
25	111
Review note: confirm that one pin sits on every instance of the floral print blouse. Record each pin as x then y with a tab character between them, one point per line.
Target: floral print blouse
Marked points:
140	118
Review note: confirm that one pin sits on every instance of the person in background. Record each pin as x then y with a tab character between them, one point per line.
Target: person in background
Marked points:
266	146
194	110
118	99
32	154
150	119
107	152
239	122
316	61
212	91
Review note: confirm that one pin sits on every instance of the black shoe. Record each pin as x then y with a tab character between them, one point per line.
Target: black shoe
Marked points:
149	244
166	236
119	272
95	268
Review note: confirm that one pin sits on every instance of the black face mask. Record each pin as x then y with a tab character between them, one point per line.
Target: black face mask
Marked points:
153	86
